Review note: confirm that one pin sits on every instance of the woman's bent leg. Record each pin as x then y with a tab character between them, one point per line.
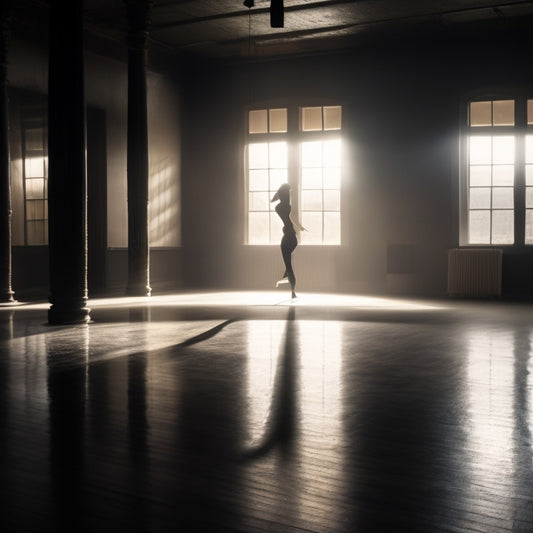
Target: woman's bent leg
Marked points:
287	247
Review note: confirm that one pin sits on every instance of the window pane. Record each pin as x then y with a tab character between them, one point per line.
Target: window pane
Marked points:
529	197
35	210
320	193
312	201
278	155
503	227
276	228
332	117
480	114
33	138
312	118
332	227
257	121
332	200
503	113
258	155
35	188
479	227
278	120
258	180
480	198
312	154
480	150
312	222
277	177
480	175
311	178
36	232
332	178
34	167
529	226
259	201
258	227
502	198
529	174
529	148
503	150
503	175
332	153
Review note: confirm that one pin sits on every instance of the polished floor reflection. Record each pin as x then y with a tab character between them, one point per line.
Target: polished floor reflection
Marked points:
246	412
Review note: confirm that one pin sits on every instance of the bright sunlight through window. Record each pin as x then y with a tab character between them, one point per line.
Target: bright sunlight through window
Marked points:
309	159
491	190
491	147
35	184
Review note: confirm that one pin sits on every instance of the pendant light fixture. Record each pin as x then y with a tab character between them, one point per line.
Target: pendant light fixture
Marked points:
276	14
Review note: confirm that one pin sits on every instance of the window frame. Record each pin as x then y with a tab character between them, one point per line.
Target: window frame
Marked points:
519	131
31	124
294	136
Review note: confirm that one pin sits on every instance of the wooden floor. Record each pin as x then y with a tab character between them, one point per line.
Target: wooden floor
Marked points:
199	414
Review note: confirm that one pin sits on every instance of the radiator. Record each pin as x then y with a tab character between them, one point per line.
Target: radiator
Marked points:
475	272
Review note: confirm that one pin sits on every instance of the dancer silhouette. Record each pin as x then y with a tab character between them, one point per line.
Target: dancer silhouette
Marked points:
289	240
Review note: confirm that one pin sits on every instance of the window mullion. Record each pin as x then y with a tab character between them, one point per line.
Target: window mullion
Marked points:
293	150
293	173
520	178
520	189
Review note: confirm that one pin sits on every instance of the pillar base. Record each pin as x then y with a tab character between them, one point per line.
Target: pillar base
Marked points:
68	314
6	297
139	290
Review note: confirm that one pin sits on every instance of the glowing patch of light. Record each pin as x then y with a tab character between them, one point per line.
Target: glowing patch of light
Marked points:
259	298
251	299
318	347
264	346
321	351
308	384
490	390
163	207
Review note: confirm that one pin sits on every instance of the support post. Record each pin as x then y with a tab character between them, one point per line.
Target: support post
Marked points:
6	292
67	184
137	177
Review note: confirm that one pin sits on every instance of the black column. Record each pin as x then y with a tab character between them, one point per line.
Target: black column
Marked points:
6	293
138	247
67	183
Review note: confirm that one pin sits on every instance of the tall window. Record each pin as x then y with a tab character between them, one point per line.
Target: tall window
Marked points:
499	171
308	157
35	183
529	175
267	170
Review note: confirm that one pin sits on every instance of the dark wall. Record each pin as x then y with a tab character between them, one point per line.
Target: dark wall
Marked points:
402	107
